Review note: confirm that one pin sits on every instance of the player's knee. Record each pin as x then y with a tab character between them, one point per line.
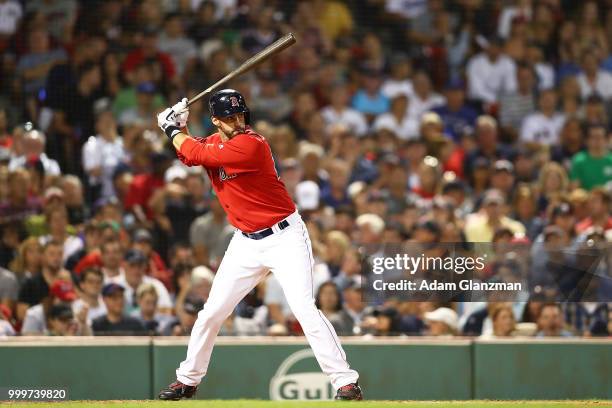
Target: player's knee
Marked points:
211	317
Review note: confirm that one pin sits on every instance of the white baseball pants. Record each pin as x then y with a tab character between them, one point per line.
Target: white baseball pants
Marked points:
288	254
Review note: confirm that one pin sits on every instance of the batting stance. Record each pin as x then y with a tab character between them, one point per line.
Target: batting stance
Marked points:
270	235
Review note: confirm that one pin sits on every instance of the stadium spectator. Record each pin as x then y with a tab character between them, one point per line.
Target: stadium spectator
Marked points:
115	322
457	116
27	263
34	289
481	226
550	322
147	311
33	143
592	79
183	323
441	322
544	126
133	275
516	105
91	281
503	321
593	167
102	153
490	73
599	212
329	302
9	288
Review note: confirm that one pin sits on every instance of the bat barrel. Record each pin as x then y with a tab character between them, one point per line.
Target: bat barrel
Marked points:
273	49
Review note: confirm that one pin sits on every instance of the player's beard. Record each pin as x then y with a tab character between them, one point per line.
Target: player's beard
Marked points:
235	132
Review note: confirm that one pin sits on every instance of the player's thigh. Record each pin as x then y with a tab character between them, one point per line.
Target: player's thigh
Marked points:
238	273
291	261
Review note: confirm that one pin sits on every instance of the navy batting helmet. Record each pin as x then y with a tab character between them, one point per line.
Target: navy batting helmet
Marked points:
227	102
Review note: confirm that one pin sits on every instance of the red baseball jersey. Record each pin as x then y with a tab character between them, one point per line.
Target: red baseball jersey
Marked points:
243	175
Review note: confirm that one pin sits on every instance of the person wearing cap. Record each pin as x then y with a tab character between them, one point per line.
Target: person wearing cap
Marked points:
502	177
488	145
441	322
102	153
481	226
186	318
39	318
115	322
142	240
133	275
60	321
369	98
458	117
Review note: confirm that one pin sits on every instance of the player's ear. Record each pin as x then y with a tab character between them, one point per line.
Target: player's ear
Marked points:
215	121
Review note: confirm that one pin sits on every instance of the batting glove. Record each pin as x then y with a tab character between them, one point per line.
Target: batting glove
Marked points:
168	122
182	112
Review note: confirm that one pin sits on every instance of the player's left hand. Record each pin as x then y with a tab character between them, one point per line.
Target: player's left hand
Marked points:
168	122
182	112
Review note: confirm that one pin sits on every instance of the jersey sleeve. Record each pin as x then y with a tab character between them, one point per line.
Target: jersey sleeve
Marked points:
184	159
239	153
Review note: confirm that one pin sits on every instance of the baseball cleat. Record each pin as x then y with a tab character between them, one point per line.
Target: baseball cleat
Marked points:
350	392
176	391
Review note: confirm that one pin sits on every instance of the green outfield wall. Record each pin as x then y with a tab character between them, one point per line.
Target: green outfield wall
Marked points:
285	368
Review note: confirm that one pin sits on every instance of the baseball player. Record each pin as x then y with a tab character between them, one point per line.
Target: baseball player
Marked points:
270	235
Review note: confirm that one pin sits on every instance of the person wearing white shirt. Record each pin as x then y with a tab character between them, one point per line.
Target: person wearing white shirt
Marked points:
398	121
10	14
133	276
103	153
340	112
543	127
522	9
33	143
399	82
90	296
490	73
593	80
424	98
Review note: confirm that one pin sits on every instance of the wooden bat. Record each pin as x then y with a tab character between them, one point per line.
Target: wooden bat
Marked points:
271	50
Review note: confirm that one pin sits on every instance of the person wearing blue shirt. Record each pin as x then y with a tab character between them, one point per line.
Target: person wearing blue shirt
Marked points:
369	99
458	117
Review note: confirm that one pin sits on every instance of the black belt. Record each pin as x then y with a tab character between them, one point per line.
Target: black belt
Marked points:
267	232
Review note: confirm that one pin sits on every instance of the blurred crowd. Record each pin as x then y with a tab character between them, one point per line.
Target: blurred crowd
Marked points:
390	121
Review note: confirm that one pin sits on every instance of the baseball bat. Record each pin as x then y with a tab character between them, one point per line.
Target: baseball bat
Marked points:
272	49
